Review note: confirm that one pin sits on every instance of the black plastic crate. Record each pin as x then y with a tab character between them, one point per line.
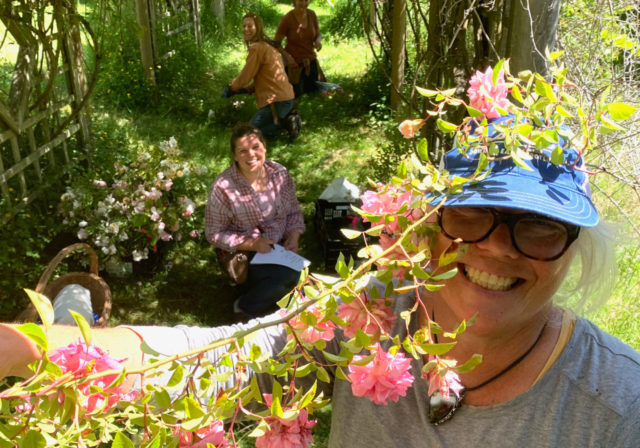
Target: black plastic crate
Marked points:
330	218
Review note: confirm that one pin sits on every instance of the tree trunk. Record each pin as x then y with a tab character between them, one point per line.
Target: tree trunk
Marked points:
146	43
218	10
530	30
399	27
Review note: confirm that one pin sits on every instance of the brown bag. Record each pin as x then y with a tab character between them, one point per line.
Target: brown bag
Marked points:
235	264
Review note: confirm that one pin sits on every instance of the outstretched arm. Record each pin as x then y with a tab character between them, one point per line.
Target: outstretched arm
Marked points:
17	350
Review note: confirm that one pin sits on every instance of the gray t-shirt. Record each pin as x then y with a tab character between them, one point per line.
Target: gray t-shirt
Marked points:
590	397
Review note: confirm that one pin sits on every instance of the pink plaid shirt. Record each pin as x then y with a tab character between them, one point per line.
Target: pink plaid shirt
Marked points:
235	212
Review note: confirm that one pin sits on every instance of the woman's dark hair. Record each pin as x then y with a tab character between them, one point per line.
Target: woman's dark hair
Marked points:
243	130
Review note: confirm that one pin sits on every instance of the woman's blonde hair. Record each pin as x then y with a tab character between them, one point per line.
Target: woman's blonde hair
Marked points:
593	273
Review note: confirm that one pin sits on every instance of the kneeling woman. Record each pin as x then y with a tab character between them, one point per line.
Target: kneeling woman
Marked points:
252	205
264	74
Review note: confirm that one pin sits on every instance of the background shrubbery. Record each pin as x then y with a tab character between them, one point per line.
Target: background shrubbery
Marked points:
352	135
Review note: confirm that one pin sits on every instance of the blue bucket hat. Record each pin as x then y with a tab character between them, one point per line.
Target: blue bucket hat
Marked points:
560	192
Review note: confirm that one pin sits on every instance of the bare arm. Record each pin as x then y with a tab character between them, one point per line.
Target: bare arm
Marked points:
17	350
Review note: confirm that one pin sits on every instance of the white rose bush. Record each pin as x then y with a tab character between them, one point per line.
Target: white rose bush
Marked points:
75	397
143	201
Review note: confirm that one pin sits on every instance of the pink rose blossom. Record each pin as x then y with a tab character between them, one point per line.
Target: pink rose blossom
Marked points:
99	183
385	378
283	433
485	96
443	379
213	434
386	201
82	361
408	128
311	333
188	206
397	254
374	317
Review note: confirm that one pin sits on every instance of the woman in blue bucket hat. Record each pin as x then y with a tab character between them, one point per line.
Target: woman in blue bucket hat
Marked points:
548	377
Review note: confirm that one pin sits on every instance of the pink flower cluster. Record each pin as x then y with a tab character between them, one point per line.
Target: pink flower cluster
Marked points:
213	434
386	377
388	201
443	379
372	316
322	330
485	96
82	361
283	433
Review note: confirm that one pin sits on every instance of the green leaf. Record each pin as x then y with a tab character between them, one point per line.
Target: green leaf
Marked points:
177	376
259	430
334	358
375	230
308	396
608	124
437	349
557	156
193	408
473	112
36	334
544	89
83	325
34	439
362	338
351	234
554	55
496	71
323	375
43	307
469	365
446	258
121	441
402	169
162	398
423	149
563	112
156	442
426	92
445	275
445	126
620	111
276	407
515	92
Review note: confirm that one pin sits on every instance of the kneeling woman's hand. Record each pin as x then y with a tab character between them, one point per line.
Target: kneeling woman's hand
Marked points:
262	245
291	242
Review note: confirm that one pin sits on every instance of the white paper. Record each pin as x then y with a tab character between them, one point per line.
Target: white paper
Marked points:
282	256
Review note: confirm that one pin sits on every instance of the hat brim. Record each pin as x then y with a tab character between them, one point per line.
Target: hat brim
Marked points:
516	190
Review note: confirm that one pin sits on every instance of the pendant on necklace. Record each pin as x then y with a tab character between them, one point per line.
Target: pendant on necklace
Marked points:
441	409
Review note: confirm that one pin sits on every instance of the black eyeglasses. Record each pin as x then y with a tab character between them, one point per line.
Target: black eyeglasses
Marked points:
534	236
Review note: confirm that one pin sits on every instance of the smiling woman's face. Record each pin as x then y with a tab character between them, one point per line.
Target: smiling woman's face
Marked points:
248	29
249	155
504	288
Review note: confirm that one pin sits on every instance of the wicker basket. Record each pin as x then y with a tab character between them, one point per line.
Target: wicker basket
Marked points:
100	292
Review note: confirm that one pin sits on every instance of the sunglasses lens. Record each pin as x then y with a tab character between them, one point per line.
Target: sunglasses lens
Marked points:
442	409
466	223
540	238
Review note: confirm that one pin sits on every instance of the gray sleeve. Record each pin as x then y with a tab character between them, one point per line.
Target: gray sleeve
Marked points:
161	342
